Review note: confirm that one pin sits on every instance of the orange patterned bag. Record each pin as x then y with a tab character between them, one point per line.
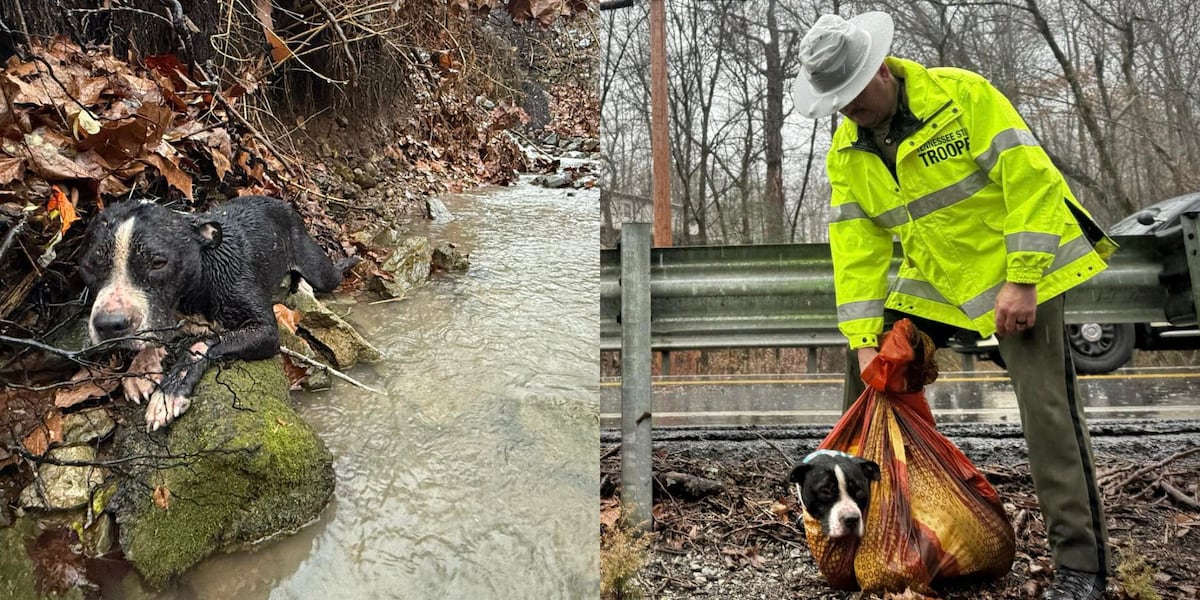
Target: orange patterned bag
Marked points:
933	515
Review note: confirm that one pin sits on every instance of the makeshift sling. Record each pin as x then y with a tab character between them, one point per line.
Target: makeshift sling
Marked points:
933	515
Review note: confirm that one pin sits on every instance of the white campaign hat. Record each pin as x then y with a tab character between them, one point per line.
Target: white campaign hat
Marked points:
838	59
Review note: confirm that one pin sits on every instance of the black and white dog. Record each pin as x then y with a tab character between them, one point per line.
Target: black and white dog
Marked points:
152	268
835	489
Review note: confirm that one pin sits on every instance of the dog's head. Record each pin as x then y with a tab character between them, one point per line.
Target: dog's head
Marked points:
835	489
139	259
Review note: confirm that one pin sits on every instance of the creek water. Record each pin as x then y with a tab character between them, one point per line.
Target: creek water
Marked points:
476	475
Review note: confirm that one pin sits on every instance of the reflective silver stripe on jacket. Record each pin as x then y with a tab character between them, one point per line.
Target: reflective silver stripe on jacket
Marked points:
919	289
951	194
1009	138
848	212
852	210
983	303
980	305
1067	253
862	309
1029	241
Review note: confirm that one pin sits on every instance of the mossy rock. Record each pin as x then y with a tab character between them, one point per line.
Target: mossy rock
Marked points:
240	465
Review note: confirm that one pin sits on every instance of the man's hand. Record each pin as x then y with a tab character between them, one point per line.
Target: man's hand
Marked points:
865	356
1016	308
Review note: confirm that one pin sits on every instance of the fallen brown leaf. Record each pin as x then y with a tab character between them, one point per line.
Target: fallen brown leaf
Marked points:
162	497
89	384
44	434
12	168
287	317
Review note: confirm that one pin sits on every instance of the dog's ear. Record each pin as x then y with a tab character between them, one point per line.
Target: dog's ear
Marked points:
209	234
799	472
869	468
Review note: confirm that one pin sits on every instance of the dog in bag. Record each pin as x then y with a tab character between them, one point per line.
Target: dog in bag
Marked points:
889	502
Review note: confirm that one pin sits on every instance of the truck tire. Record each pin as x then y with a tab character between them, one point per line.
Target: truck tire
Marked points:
1100	347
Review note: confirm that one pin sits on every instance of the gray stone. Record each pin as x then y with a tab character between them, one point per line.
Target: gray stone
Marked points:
438	211
59	487
365	179
407	266
447	257
345	346
87	425
558	180
99	538
240	465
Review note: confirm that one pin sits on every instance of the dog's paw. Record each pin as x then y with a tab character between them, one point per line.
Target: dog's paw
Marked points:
144	374
140	387
164	408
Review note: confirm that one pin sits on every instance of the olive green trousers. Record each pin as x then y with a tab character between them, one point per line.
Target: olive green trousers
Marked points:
1060	450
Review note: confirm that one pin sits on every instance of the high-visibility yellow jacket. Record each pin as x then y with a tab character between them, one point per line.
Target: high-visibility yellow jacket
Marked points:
975	202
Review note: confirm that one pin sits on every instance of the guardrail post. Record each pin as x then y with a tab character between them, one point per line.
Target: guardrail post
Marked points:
636	475
968	362
1191	245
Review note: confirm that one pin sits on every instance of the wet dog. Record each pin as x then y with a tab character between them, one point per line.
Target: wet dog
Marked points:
835	489
152	268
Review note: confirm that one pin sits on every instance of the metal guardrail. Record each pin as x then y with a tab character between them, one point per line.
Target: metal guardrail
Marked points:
781	295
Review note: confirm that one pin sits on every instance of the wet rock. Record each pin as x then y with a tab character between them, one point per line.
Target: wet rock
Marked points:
99	538
343	172
555	181
87	425
438	211
315	378
240	467
407	267
365	179
60	487
330	332
447	257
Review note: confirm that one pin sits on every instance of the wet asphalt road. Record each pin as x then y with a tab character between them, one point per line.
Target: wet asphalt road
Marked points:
1137	414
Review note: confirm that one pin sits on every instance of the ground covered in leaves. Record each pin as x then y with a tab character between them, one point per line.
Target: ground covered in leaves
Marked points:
748	541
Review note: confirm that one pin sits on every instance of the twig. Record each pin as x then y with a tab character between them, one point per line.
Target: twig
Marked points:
15	229
284	159
1178	495
1158	465
776	447
337	27
120	9
331	371
388	300
610	452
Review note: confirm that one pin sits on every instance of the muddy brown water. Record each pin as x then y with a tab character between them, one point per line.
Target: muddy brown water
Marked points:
475	477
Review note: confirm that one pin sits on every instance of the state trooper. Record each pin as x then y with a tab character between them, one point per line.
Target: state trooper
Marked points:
991	235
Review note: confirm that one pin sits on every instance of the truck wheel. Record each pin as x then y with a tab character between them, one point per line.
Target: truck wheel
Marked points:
1100	347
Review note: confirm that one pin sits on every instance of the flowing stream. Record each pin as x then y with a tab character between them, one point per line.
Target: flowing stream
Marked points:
476	476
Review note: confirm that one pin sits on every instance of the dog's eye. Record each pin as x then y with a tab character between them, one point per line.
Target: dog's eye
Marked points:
158	263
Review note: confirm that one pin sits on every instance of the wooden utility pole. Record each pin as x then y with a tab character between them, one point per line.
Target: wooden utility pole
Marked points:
659	141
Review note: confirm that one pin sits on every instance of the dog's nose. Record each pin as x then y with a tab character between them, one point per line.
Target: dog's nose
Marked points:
851	522
111	325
